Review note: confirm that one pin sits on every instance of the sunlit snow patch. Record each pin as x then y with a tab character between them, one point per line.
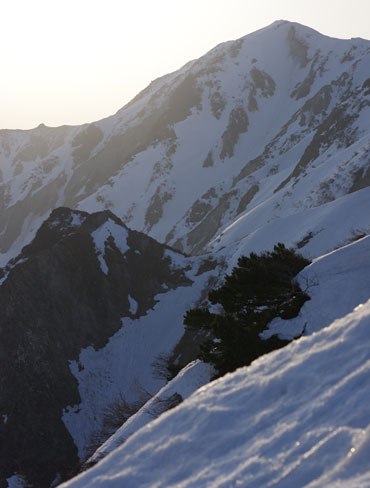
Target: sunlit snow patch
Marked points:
133	305
192	377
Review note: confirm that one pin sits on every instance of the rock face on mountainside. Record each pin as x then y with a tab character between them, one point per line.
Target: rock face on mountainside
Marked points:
276	121
67	290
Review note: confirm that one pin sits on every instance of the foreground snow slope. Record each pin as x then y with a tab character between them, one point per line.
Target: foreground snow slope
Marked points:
297	417
192	377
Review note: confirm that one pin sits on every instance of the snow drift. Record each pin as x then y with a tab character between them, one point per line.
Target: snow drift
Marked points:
297	417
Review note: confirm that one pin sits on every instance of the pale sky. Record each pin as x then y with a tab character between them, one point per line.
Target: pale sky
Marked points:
76	61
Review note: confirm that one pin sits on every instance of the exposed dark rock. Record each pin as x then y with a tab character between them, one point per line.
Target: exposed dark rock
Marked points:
252	101
55	301
155	209
366	87
348	56
305	240
34	203
208	162
117	152
178	245
201	207
48	164
325	192
42	141
198	211
185	351
238	124
249	168
185	96
160	168
335	127
207	265
206	229
235	48
37	148
342	80
211	193
85	141
263	82
247	198
304	88
361	179
218	104
319	103
298	48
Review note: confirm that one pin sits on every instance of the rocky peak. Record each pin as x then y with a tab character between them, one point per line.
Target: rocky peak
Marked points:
64	222
69	289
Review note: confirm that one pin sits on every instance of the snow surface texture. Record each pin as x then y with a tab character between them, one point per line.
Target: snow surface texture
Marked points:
323	228
297	417
336	284
192	377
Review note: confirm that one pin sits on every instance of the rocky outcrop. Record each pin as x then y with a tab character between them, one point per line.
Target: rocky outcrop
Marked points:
238	124
66	291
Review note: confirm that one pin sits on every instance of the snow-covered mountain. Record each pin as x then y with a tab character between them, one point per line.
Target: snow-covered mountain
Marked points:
263	140
272	125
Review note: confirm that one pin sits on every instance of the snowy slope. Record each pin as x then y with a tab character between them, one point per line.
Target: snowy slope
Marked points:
265	127
297	417
192	377
337	283
313	232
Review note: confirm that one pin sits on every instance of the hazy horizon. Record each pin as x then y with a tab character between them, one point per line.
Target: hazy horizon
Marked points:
77	62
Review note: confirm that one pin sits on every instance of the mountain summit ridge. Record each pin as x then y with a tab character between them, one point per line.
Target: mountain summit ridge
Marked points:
201	145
